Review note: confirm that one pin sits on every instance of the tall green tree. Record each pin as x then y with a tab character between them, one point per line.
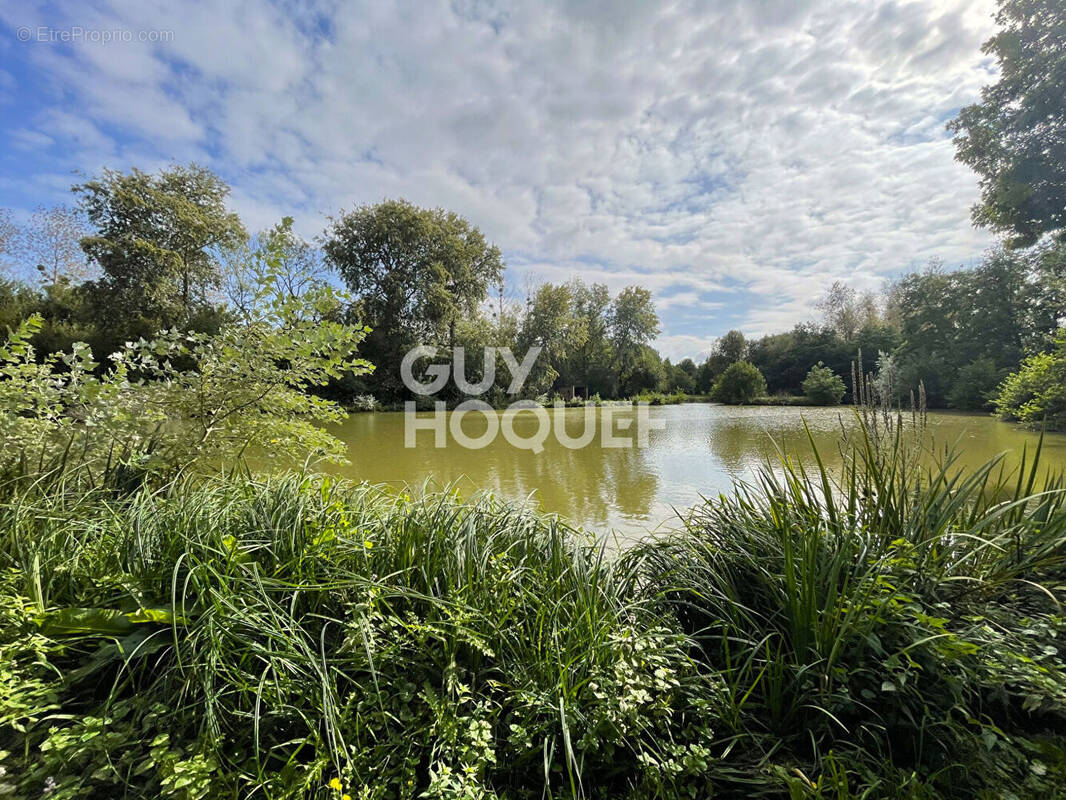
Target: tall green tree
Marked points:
1015	137
413	273
591	355
158	240
634	323
549	323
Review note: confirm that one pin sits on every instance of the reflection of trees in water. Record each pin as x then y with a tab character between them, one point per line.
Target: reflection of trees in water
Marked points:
745	443
585	484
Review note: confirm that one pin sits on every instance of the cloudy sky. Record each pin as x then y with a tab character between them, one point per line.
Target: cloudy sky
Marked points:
734	156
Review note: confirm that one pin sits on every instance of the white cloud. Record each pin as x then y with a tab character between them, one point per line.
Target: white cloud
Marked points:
694	148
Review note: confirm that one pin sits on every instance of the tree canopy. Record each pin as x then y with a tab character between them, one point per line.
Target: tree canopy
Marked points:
1015	137
412	272
157	240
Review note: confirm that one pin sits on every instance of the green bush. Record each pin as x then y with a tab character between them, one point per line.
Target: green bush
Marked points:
890	631
975	385
1036	393
823	387
740	383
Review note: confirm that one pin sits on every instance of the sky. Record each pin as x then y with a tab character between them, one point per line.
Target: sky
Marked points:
733	156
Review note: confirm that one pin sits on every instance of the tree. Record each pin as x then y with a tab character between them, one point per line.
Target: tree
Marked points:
975	385
299	267
823	387
732	347
741	383
206	397
413	273
634	323
51	244
846	312
550	325
592	353
633	319
1015	137
157	241
640	371
1036	393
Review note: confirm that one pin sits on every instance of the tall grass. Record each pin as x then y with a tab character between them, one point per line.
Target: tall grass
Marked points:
902	614
281	634
884	631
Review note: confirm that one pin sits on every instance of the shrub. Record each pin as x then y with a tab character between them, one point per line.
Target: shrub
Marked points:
823	387
365	402
975	385
180	398
740	383
1036	393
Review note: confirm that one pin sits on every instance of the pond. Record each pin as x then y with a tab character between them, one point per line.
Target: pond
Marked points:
694	450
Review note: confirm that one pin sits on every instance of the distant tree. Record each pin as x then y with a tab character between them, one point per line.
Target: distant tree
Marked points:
676	378
297	266
1015	137
549	323
634	321
641	370
51	244
823	387
731	348
846	311
975	385
157	240
592	353
741	383
1036	393
8	232
1000	310
413	273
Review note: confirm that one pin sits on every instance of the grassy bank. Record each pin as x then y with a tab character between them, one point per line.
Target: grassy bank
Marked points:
878	633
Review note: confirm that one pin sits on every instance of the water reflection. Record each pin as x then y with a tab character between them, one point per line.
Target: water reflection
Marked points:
701	450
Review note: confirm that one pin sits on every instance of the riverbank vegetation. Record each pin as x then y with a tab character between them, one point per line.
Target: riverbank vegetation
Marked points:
887	631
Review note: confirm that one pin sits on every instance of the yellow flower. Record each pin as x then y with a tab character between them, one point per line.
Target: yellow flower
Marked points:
368	544
346	797
336	784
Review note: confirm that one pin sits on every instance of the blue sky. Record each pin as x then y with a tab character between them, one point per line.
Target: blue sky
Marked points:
735	157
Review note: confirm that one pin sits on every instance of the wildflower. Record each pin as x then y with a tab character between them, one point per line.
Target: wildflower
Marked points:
368	544
335	784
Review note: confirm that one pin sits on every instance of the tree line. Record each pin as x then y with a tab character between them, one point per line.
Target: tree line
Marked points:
144	252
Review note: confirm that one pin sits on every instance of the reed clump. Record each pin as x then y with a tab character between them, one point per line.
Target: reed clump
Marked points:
888	630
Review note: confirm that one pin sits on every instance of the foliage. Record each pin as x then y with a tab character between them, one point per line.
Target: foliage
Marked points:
164	403
823	387
1015	137
49	245
1036	393
365	402
303	633
413	273
882	632
975	385
740	383
888	631
998	311
157	241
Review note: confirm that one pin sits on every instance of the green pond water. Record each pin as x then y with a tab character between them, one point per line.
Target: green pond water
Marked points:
694	450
